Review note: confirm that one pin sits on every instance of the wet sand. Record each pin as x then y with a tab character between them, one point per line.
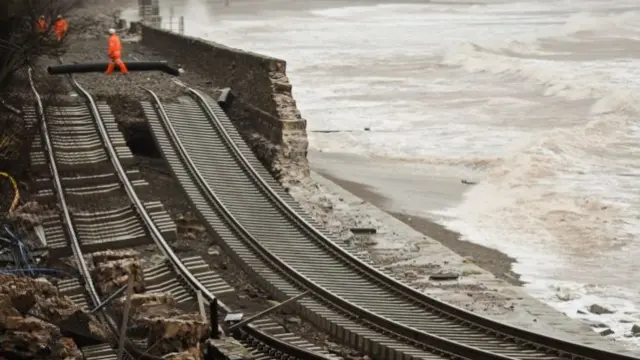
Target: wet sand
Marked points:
489	259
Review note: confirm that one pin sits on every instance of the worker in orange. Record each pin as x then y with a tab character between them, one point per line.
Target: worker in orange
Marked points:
115	54
41	24
60	27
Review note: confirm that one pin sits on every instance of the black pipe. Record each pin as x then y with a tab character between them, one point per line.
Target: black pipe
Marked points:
213	318
102	67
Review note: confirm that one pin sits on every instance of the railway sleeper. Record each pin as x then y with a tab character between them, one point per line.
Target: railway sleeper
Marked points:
78	193
114	134
99	352
274	184
348	331
80	180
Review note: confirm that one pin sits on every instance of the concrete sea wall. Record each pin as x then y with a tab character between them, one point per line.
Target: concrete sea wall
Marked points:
263	108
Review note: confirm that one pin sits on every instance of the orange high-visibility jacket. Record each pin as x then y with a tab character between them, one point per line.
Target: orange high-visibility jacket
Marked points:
115	48
41	24
61	26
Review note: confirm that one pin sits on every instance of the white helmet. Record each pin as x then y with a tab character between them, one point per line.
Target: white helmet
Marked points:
59	16
112	31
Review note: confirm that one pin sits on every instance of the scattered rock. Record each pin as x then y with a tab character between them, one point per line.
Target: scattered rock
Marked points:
114	270
148	304
189	224
63	312
27	215
606	332
31	338
599	310
176	334
213	250
31	314
444	276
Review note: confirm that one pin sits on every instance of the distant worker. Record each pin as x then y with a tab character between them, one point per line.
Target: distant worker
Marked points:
41	24
115	54
60	27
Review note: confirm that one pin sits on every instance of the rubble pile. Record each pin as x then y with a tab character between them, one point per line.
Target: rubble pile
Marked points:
112	270
31	311
153	316
27	215
189	226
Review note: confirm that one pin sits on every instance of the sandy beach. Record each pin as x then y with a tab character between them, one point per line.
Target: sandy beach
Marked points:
409	198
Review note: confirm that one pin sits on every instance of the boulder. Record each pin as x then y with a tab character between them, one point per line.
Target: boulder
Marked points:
23	291
599	310
176	334
7	311
63	312
31	338
24	296
635	330
109	276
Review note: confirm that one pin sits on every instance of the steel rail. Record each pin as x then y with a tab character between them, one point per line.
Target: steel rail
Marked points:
266	343
435	343
70	229
560	347
298	352
284	348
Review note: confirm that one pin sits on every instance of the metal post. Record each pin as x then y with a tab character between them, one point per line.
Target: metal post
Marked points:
181	25
201	305
213	318
106	301
125	318
226	2
171	18
265	312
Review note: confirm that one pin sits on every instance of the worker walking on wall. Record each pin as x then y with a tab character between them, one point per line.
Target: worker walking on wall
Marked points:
60	27
115	54
41	24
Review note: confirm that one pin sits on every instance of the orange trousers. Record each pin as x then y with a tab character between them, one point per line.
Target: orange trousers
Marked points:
112	65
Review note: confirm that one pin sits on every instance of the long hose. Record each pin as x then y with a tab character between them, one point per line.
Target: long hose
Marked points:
16	191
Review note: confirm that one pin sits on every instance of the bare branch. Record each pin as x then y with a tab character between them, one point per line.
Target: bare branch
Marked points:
20	40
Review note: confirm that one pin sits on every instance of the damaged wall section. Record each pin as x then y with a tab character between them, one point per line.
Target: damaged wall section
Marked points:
263	109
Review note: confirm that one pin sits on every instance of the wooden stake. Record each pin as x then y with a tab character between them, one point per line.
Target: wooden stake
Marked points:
125	318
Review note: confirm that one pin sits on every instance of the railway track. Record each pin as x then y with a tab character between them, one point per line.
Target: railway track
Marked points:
85	135
266	231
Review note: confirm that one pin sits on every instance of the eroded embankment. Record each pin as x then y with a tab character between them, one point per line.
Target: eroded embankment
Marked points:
263	107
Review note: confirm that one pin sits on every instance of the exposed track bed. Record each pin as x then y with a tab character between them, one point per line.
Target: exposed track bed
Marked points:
275	240
84	151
